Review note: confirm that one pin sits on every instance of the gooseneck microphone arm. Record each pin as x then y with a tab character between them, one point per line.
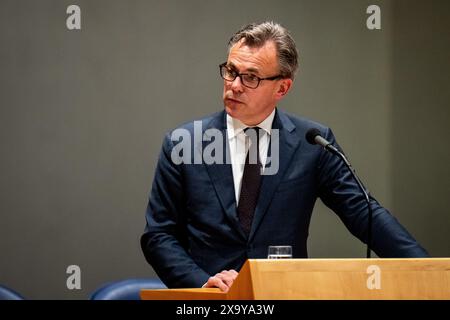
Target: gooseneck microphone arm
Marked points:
313	136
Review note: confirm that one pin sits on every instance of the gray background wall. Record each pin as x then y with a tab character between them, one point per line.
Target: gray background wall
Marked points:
82	115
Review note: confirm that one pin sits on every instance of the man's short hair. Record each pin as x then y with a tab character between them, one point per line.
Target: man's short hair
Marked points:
256	35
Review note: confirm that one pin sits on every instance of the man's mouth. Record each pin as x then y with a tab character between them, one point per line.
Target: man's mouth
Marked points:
233	100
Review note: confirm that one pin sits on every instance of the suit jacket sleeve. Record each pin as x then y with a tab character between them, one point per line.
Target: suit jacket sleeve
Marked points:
340	192
164	239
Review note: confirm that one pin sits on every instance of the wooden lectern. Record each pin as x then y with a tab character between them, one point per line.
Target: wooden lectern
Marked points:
300	279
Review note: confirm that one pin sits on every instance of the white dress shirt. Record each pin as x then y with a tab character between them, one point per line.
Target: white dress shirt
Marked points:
239	144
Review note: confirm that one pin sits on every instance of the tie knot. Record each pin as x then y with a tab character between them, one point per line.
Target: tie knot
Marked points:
252	128
253	133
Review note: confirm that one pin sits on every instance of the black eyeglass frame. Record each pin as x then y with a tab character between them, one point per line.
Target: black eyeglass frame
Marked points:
224	65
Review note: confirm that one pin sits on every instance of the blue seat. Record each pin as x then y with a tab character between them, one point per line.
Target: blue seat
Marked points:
128	289
9	294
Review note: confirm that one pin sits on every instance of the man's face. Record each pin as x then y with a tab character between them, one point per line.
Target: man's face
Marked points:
251	106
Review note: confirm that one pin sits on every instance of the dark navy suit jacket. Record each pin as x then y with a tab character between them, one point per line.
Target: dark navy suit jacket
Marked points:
192	229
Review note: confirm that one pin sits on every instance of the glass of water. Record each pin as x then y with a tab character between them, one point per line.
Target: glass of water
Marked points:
279	252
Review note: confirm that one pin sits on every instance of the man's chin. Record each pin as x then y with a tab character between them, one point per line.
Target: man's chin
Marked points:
231	111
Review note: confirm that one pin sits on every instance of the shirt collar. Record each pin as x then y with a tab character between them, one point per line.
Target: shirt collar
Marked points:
235	126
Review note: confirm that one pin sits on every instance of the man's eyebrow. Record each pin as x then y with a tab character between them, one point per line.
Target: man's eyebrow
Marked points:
254	70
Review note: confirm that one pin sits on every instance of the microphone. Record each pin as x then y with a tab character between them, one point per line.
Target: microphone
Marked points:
313	136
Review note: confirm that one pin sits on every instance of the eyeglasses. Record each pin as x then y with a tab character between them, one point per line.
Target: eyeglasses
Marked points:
249	80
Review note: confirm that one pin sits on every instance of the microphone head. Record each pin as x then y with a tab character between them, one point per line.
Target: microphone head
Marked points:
311	135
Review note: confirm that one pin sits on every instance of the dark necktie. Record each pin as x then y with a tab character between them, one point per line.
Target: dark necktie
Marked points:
251	181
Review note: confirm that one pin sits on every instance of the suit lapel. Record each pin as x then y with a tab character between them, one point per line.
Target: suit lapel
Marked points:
288	144
221	175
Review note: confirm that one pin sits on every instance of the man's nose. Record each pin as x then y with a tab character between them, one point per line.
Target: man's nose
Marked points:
236	85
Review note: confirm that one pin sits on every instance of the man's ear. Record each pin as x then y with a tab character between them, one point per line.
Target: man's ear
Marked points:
283	88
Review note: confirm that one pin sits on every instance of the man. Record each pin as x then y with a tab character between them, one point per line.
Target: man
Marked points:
205	219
